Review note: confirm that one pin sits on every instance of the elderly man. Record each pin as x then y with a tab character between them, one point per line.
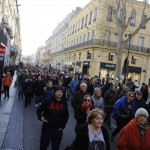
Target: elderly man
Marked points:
54	114
77	100
135	135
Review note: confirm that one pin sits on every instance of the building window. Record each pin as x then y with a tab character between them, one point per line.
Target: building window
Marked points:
133	20
86	20
84	36
69	56
88	36
77	40
82	23
110	57
110	12
95	14
133	60
143	18
80	39
79	25
93	34
141	43
73	29
90	18
88	55
107	36
75	56
70	30
79	56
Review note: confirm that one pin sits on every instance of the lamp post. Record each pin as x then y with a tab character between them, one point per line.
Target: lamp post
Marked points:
126	61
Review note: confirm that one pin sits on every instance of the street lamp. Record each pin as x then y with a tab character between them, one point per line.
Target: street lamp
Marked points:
126	61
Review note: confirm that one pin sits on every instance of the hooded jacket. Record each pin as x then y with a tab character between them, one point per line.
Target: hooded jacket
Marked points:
129	138
55	112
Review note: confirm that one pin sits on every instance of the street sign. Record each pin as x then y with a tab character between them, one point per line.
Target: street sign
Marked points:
2	50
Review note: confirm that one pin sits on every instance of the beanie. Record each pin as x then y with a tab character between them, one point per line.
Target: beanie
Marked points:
141	111
138	92
56	88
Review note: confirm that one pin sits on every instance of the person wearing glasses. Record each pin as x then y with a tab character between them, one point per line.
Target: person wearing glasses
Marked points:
93	135
124	110
135	135
82	112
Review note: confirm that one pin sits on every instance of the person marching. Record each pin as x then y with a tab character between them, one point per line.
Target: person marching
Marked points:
54	114
135	135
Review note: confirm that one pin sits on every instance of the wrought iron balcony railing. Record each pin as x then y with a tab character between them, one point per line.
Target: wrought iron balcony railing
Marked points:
110	44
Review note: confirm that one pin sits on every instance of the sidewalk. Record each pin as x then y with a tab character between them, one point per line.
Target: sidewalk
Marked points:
5	111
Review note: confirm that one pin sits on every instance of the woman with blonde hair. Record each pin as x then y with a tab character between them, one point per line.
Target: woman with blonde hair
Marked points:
93	135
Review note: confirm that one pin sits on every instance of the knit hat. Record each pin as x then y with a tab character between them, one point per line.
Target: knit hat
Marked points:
56	88
138	92
141	111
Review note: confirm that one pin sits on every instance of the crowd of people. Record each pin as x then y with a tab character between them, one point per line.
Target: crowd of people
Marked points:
94	101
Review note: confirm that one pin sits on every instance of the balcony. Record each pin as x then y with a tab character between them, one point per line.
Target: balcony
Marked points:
110	44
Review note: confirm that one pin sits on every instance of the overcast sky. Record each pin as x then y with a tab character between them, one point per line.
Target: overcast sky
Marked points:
38	18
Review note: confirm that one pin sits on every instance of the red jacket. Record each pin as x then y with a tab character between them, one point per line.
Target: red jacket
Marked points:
129	138
7	80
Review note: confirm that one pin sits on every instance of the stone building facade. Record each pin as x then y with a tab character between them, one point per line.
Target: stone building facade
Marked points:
10	31
90	43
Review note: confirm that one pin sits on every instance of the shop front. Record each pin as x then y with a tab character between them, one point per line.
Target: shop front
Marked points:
78	66
86	66
107	69
135	74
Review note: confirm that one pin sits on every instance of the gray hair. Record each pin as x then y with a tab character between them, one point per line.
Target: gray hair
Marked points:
83	84
97	89
93	114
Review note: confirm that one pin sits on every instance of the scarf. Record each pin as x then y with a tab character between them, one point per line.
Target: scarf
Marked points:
142	130
86	107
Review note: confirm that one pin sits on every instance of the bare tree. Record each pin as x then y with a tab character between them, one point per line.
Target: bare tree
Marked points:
123	17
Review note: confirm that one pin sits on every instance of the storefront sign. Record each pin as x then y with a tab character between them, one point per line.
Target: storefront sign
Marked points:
86	63
107	66
135	69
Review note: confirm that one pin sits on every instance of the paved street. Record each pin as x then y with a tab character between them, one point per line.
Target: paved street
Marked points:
20	128
24	128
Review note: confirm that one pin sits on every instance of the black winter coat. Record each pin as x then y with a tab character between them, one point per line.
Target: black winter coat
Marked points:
77	100
82	138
